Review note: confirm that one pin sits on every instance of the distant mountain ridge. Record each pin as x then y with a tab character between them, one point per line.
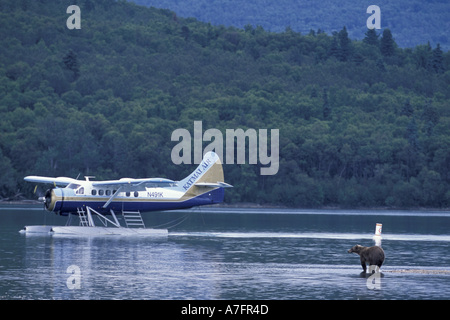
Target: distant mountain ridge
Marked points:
412	22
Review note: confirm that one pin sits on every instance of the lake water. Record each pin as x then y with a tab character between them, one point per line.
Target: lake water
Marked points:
227	253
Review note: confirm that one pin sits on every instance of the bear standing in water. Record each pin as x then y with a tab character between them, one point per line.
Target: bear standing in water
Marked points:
371	255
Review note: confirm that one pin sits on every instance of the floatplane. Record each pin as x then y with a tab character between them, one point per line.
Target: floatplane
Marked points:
127	198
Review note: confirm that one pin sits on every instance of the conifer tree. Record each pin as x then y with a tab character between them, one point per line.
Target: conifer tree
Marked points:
334	49
344	44
71	62
437	60
423	56
371	37
387	44
326	106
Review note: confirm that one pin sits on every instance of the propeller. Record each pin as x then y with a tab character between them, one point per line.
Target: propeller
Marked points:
48	198
41	198
37	190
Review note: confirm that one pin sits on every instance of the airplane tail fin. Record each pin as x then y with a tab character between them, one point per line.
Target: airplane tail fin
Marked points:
209	174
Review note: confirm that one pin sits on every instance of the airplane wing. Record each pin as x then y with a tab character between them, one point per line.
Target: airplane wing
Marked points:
61	181
124	182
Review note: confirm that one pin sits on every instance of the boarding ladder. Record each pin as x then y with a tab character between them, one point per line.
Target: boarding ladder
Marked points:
84	222
133	219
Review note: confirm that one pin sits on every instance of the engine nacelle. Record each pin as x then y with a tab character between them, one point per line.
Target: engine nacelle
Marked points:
54	199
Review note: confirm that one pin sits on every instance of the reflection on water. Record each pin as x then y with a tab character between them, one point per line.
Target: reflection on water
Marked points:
231	254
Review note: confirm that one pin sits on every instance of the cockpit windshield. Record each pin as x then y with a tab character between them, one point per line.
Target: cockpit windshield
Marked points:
77	187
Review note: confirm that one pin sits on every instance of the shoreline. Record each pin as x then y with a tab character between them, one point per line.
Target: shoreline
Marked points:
261	206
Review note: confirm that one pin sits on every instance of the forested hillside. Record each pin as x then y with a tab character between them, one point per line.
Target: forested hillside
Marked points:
412	22
362	123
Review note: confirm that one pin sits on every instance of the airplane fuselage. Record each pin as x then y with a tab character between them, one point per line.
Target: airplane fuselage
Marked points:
69	199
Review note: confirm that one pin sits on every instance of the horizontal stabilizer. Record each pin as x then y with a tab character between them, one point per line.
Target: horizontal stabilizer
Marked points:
214	185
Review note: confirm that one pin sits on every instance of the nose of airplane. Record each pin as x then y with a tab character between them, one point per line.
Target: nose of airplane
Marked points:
50	199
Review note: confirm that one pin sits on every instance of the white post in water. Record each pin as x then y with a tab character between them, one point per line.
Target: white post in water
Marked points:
377	236
378	228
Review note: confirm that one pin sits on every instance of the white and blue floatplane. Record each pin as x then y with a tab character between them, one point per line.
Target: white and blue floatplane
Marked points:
127	198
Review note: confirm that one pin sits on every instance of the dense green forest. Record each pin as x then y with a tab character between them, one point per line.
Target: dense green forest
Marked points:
412	22
362	123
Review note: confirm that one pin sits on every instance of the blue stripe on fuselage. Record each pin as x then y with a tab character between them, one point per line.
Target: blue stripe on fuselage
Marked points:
70	206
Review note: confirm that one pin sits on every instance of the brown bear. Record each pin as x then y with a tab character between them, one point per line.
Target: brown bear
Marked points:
371	255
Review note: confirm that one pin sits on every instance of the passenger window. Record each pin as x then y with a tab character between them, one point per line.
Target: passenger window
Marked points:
108	192
128	193
100	192
94	192
136	194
